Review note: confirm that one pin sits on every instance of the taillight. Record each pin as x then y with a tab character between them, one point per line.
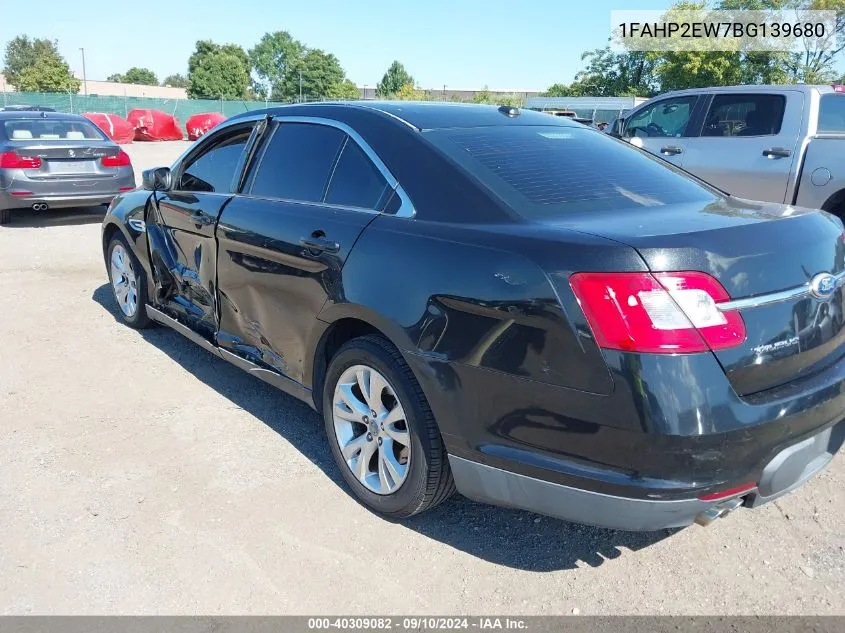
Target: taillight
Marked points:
724	494
838	88
13	160
662	313
121	159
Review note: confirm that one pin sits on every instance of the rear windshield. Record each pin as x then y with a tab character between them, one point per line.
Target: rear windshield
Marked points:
832	114
544	172
46	130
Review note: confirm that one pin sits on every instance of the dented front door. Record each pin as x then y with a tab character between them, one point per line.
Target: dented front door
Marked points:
184	251
181	226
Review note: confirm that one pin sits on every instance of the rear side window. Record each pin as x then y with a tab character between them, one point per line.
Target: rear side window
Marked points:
744	115
298	162
356	182
51	130
214	169
543	172
832	114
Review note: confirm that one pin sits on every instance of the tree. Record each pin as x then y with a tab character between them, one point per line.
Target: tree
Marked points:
50	73
409	93
115	78
321	77
393	80
273	59
175	81
22	53
143	76
218	75
216	70
35	65
346	90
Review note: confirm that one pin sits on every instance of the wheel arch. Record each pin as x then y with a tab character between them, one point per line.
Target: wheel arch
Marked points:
344	322
835	204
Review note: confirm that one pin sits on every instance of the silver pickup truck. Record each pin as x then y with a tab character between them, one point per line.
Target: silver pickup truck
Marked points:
774	143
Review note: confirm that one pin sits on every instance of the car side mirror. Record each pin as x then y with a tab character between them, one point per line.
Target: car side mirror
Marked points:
158	179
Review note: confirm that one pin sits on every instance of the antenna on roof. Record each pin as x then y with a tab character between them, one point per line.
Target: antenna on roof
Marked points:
509	111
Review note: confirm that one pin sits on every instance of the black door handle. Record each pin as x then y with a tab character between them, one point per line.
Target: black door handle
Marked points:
671	150
777	152
320	244
202	219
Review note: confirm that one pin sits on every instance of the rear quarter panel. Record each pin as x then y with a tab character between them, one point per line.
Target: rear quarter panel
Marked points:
480	297
823	172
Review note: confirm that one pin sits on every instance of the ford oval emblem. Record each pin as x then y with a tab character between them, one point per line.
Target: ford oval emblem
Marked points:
822	285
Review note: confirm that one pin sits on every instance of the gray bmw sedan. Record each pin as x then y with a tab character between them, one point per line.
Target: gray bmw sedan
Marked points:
55	160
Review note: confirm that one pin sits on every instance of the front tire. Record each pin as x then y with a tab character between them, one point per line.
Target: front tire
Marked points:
128	283
381	431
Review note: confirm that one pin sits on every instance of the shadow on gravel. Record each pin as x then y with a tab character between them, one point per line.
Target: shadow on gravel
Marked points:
28	219
513	538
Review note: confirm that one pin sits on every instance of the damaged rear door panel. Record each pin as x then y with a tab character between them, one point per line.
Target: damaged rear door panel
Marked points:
181	226
284	241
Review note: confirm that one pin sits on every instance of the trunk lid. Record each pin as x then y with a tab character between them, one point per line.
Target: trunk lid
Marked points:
70	160
769	254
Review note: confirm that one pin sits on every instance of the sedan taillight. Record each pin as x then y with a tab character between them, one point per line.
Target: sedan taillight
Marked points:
13	160
657	313
120	159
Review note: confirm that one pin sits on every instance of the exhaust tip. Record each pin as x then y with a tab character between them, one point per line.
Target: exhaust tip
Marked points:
718	511
39	206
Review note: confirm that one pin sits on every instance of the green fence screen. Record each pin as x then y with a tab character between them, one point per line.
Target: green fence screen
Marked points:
180	108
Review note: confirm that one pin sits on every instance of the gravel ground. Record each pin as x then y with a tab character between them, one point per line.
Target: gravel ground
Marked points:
139	474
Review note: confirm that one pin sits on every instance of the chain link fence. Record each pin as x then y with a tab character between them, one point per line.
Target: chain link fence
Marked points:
182	109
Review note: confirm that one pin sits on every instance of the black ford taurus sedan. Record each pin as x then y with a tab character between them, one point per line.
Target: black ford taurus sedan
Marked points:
503	303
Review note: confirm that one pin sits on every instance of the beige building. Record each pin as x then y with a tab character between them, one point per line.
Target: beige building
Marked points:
112	89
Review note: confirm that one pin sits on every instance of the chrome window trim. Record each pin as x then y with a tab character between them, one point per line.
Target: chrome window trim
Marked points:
406	208
775	297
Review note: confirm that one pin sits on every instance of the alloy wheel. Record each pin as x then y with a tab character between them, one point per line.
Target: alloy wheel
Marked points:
371	429
124	281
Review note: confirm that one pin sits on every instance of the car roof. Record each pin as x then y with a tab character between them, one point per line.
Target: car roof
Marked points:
804	88
424	115
32	114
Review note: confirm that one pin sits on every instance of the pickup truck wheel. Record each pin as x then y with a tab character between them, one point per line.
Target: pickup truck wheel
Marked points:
381	430
128	283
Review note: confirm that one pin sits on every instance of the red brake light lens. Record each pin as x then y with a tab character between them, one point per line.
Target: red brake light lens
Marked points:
724	494
13	160
660	313
121	159
838	88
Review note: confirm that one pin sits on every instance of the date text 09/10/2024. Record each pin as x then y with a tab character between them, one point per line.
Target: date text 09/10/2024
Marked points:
417	623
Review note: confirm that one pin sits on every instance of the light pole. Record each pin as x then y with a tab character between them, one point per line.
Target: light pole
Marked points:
84	76
444	92
365	91
300	86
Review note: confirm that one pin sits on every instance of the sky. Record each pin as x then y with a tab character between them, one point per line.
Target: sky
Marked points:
464	44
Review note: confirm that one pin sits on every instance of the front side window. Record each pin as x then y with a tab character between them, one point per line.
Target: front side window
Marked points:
832	114
744	115
214	169
667	118
298	162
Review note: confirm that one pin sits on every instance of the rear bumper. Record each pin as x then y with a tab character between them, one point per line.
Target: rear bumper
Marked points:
55	201
787	471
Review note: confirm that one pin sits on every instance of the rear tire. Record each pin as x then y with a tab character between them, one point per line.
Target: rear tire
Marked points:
5	216
128	283
403	427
